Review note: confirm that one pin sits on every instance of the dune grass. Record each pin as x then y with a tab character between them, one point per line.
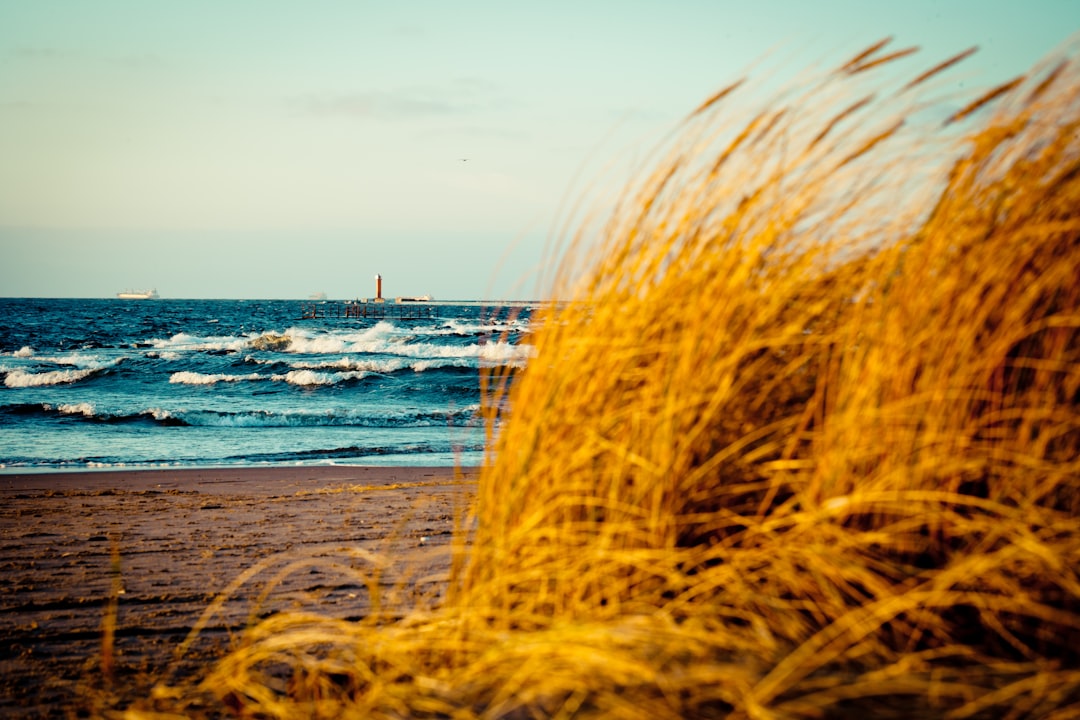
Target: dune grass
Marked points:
803	442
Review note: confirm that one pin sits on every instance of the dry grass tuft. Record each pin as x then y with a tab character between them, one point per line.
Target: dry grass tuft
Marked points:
805	442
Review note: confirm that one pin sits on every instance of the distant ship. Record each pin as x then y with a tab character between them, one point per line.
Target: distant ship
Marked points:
138	295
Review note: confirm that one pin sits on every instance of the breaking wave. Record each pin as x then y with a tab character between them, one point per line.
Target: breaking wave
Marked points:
26	379
85	409
293	377
187	377
310	377
337	417
381	339
198	343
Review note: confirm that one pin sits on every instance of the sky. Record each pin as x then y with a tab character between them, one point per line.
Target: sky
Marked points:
241	149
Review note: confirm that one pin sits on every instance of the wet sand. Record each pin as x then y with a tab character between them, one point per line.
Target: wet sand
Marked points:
165	543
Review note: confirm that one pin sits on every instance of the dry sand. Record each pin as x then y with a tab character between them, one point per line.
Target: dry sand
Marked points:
182	536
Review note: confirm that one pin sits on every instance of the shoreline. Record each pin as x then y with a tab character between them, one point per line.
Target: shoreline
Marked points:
9	470
313	537
234	473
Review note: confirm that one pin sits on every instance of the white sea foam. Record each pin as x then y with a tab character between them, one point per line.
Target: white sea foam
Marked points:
507	352
500	351
85	409
159	414
293	377
195	343
24	379
368	340
383	338
423	365
75	359
83	362
381	365
186	377
346	417
456	326
295	340
310	377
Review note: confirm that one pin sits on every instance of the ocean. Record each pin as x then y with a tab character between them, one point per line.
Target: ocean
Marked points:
110	383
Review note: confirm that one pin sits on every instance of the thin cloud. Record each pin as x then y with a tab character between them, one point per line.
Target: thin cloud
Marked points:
18	106
376	105
462	96
139	61
486	132
36	53
130	61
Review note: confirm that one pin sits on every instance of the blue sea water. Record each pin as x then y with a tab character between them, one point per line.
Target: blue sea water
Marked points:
179	383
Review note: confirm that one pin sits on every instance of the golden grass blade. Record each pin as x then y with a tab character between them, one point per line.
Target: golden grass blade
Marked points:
716	97
877	62
984	100
871	143
941	67
850	65
840	117
1047	82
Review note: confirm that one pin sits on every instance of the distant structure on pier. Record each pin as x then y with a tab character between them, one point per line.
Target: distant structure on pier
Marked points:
378	299
403	307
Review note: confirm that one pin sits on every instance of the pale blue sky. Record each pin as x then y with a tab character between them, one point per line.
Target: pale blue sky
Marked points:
275	149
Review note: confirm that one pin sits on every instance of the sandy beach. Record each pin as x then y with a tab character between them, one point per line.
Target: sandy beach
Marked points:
166	543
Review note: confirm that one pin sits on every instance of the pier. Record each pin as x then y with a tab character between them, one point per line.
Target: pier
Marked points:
361	309
404	308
